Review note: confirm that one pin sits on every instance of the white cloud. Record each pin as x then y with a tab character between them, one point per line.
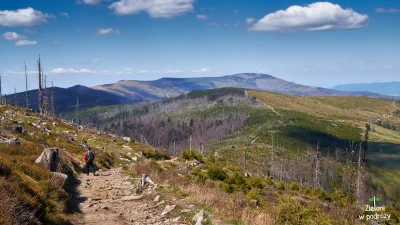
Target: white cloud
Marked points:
215	24
102	31
202	16
56	43
143	71
202	70
388	67
12	36
64	14
155	8
383	10
236	11
23	17
173	71
63	70
25	42
88	2
95	60
313	17
249	20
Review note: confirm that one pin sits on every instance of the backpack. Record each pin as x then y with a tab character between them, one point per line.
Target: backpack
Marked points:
90	156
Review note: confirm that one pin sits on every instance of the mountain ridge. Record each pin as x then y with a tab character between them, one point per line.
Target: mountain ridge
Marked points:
171	87
385	88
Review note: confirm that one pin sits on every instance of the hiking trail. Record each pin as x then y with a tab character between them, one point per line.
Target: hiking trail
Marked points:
108	198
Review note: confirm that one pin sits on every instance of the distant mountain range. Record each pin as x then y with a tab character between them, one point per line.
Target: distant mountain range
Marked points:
385	88
66	98
131	91
170	87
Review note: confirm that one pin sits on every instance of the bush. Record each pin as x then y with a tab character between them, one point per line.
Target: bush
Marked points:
256	182
216	173
254	195
339	199
292	212
192	155
294	187
269	181
320	194
307	191
229	188
239	180
280	186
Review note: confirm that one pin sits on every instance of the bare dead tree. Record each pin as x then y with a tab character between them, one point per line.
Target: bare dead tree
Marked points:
26	88
359	173
15	95
1	94
317	179
77	104
53	105
45	96
40	86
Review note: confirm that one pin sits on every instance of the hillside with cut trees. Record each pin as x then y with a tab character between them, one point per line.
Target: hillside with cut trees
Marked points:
316	142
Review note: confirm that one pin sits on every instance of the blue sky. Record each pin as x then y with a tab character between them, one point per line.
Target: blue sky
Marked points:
93	42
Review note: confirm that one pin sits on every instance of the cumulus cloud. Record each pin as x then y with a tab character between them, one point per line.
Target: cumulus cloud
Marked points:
202	70
313	17
25	42
173	71
202	16
236	11
249	20
143	71
12	36
64	70
383	10
388	67
155	8
215	24
23	17
64	14
56	43
95	60
106	31
88	2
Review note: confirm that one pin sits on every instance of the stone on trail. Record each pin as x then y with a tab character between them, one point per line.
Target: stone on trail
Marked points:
199	217
131	198
157	198
168	209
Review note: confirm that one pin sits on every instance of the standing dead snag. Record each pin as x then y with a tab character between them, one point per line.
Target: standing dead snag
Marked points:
53	106
40	86
317	179
1	95
26	88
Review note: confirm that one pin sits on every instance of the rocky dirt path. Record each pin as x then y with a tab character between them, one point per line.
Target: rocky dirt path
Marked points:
109	198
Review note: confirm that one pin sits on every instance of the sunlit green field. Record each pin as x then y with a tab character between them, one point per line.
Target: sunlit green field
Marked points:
385	165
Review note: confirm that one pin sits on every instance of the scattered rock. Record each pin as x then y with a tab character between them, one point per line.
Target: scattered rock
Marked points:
198	217
131	198
168	209
127	139
157	198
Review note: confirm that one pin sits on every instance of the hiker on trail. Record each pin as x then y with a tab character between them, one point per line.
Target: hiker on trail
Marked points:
89	158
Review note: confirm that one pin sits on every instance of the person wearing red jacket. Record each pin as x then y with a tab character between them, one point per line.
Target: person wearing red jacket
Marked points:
89	158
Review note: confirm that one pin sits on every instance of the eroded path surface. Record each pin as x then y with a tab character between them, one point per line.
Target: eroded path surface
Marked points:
109	198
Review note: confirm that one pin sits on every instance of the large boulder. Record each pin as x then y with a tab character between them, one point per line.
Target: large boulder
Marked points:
51	159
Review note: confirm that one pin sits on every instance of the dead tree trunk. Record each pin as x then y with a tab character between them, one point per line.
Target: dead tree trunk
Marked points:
1	94
40	86
26	88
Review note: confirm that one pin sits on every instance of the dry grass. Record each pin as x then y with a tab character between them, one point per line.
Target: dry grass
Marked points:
353	108
228	206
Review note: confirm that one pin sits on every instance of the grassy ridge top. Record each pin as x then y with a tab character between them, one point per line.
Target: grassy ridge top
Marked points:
347	107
